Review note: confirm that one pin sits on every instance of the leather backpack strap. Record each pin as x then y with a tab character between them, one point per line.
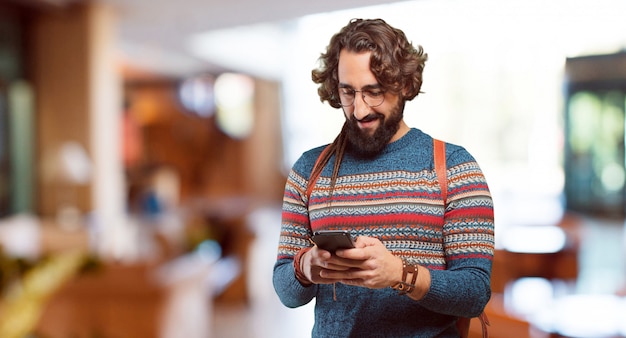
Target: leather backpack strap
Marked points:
439	150
439	153
313	179
484	322
463	325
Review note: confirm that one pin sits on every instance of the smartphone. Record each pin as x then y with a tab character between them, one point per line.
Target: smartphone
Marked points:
331	240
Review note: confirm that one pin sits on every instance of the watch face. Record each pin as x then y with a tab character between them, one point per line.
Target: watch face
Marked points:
197	95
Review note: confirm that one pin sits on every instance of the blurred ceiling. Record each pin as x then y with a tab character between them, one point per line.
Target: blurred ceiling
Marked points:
154	34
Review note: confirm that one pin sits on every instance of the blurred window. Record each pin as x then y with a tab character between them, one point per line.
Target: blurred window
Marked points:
595	172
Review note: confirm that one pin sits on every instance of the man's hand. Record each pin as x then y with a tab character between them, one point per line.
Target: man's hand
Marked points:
369	264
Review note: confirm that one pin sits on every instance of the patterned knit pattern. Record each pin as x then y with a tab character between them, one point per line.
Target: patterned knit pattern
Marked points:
397	199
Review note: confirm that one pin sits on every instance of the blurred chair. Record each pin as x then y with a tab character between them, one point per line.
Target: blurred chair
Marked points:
116	300
546	251
169	300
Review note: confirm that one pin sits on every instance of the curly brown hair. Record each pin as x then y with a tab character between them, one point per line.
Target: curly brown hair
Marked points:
395	63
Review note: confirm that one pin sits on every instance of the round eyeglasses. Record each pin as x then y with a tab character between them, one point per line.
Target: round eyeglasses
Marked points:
372	98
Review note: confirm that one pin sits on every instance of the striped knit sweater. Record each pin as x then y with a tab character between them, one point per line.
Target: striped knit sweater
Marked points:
396	198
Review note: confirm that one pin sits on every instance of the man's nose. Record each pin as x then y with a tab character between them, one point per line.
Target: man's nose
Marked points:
361	109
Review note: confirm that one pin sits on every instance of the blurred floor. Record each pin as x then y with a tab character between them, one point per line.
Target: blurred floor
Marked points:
264	316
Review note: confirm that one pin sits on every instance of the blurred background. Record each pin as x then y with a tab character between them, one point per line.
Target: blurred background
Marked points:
144	147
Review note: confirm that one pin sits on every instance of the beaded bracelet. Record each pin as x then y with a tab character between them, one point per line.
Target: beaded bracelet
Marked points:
404	287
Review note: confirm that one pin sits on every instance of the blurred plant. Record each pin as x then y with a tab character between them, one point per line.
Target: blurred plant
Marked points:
25	289
11	269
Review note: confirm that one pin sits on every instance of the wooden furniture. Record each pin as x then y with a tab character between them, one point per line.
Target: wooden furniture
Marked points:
509	266
114	301
134	300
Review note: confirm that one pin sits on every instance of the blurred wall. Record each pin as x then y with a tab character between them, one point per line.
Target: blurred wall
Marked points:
76	101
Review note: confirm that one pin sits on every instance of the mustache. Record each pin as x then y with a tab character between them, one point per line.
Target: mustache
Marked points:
368	118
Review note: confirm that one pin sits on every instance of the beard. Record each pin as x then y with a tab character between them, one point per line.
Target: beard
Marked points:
363	145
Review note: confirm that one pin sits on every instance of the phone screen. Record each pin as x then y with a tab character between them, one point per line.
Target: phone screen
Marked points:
332	240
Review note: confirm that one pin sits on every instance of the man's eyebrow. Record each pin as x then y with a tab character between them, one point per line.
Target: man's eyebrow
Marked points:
366	87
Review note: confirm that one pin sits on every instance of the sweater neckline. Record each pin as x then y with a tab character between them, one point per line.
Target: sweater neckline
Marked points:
403	142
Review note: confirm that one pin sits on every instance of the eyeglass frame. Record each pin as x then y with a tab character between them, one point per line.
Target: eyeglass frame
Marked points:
367	89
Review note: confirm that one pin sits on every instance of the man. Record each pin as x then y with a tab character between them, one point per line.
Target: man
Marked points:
419	262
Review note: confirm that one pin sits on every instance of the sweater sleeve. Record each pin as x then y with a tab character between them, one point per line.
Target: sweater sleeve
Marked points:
294	236
463	288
